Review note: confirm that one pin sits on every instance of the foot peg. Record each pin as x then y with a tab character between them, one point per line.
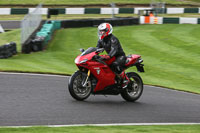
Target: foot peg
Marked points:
125	84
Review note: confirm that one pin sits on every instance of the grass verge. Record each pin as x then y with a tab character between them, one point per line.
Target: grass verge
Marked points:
170	53
79	2
107	129
94	16
68	16
10	36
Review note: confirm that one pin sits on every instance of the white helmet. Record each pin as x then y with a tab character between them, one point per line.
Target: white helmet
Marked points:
107	28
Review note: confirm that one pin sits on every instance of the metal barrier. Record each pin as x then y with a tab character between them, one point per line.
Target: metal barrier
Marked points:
30	23
96	22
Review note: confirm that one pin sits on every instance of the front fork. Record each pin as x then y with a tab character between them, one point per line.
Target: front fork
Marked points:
84	82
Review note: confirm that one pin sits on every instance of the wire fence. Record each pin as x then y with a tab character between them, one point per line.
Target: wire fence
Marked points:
158	6
30	23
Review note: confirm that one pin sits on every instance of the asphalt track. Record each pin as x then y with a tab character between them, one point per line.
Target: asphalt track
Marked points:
12	24
44	100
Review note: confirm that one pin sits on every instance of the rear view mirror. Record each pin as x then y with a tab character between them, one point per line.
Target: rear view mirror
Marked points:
82	50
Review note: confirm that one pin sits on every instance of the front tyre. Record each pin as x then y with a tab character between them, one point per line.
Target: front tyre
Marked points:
76	88
134	89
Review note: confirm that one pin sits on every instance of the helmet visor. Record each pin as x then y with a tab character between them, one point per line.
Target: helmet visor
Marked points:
101	33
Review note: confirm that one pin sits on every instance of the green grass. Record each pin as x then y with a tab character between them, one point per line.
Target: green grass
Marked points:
195	0
94	16
190	15
68	16
79	2
170	52
107	129
10	36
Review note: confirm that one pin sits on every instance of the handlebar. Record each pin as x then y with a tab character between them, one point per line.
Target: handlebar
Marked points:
99	50
99	59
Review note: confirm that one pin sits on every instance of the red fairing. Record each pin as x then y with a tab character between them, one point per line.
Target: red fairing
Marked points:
102	72
132	59
81	58
104	75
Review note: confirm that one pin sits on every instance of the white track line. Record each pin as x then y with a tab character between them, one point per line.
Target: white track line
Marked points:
33	74
117	124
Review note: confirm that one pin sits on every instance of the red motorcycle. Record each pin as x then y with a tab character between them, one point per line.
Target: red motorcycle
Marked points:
96	77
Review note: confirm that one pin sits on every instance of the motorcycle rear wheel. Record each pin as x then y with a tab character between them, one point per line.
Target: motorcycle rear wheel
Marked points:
76	88
134	89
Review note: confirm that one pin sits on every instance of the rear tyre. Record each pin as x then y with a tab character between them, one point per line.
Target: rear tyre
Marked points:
134	89
76	88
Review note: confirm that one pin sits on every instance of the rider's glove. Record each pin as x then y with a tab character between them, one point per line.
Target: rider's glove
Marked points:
105	57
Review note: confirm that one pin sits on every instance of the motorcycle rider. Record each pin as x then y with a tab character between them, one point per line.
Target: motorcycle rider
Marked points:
112	46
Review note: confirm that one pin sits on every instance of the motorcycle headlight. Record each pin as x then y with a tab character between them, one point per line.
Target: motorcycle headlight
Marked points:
83	61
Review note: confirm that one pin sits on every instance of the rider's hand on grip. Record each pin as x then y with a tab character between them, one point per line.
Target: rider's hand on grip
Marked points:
96	57
105	57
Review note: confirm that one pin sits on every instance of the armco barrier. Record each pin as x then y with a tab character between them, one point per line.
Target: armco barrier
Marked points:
8	50
198	21
8	11
175	10
191	10
5	11
170	20
126	10
96	22
19	11
60	10
92	11
188	20
161	20
76	23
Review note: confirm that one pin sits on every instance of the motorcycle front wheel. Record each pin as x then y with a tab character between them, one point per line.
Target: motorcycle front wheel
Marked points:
134	89
76	88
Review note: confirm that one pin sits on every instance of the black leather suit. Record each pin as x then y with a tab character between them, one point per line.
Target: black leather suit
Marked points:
113	48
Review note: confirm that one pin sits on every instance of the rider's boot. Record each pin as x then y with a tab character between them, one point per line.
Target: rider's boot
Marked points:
124	81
